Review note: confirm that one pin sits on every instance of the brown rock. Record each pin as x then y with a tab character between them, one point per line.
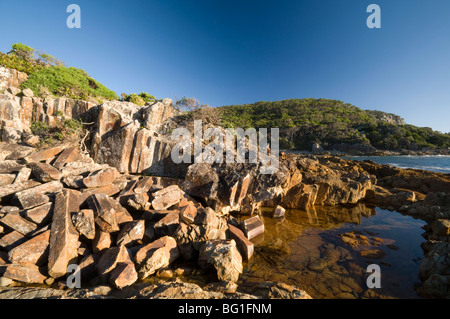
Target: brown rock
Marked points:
44	154
7	179
14	188
36	196
63	237
122	215
350	239
245	246
252	227
18	223
33	251
9	151
373	253
40	214
124	275
11	240
131	232
139	201
167	197
87	267
168	224
223	256
104	212
84	223
27	273
10	166
243	189
156	255
44	172
73	181
102	177
70	154
101	241
278	212
115	147
109	190
441	227
188	213
23	175
143	185
110	258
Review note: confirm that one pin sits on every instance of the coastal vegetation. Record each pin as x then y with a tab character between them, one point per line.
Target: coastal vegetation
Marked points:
49	75
304	122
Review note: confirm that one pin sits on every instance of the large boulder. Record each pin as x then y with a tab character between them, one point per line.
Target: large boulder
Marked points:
223	257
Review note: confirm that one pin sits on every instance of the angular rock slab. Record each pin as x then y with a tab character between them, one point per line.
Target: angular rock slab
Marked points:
27	273
39	214
224	257
23	175
131	232
252	227
278	212
156	255
84	223
104	212
17	187
36	196
11	240
18	223
63	236
101	242
45	154
70	154
110	258
34	251
45	172
124	275
245	246
101	178
167	197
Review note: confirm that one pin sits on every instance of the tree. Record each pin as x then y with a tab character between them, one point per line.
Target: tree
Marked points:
23	51
187	104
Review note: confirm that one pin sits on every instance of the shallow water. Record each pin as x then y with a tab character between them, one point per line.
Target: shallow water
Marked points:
434	163
305	250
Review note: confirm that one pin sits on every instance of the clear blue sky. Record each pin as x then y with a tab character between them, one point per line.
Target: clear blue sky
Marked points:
227	52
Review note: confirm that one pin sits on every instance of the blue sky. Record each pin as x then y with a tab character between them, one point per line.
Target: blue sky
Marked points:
236	52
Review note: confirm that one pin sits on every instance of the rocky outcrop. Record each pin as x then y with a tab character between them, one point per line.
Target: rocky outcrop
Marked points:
10	78
126	137
115	227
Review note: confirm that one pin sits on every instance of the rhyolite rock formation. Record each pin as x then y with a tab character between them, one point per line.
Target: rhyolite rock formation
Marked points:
124	211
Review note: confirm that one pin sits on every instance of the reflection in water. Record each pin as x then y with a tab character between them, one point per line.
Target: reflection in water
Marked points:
305	249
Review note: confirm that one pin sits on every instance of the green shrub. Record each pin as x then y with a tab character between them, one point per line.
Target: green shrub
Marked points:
71	82
147	97
64	131
15	62
136	99
139	99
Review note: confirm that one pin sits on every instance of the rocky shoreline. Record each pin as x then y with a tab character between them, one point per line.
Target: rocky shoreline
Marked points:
119	209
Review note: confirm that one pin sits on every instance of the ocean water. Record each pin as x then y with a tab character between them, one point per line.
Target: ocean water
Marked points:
435	163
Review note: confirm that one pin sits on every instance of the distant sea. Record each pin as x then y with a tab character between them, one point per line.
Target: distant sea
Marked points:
435	163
